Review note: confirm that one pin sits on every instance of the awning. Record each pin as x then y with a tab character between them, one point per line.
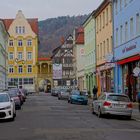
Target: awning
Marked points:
130	59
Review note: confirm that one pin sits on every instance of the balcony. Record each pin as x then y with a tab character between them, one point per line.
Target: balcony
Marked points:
45	75
68	65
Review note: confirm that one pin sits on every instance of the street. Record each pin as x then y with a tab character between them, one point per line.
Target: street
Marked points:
44	117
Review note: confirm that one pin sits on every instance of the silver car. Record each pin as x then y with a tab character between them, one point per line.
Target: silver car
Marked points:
113	104
63	94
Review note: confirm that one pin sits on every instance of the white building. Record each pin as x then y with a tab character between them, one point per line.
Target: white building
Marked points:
3	56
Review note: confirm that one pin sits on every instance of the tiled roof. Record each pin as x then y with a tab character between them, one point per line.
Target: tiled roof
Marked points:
33	23
79	36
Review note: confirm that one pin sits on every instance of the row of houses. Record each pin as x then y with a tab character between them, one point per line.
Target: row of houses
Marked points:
105	51
20	65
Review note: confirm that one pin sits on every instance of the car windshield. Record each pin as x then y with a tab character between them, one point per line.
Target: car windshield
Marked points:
76	92
12	93
118	98
4	98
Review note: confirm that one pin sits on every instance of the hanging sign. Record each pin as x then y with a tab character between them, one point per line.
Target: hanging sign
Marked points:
136	72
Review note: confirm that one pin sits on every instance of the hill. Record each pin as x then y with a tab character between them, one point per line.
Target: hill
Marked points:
53	29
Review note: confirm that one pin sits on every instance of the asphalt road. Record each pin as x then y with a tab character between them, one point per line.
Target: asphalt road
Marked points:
44	117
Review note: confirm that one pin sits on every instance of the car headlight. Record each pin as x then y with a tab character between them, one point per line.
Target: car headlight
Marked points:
8	107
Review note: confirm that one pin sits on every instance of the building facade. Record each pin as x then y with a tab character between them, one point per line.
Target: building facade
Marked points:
44	76
3	56
127	46
63	68
104	51
90	57
79	58
22	52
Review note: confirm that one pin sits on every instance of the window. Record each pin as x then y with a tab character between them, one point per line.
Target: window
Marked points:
20	55
29	42
116	37
20	43
104	53
137	24
11	43
116	6
20	29
125	2
23	29
29	55
103	19
107	46
120	5
20	70
28	81
29	68
100	22
11	55
131	28
126	31
107	16
101	51
11	69
121	34
16	29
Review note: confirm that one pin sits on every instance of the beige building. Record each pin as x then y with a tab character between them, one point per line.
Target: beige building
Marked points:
104	52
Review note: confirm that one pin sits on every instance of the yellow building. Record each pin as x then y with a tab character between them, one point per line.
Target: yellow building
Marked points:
22	52
44	74
104	51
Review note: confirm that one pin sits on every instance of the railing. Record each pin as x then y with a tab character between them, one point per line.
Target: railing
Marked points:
45	75
67	65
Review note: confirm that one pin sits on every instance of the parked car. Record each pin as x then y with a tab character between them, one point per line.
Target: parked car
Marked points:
54	91
14	95
7	107
113	104
77	97
19	94
63	94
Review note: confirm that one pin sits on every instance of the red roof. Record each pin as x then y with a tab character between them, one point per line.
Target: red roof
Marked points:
80	35
33	23
44	59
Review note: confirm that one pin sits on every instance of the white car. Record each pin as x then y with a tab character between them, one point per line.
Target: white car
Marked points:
7	107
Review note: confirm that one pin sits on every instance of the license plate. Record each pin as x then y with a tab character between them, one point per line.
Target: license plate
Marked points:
118	106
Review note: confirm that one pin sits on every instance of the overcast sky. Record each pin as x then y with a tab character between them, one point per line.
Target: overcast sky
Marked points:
43	9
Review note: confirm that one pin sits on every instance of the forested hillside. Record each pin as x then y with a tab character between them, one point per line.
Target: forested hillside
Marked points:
52	30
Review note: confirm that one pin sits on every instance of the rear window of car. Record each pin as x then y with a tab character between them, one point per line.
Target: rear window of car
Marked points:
4	98
118	98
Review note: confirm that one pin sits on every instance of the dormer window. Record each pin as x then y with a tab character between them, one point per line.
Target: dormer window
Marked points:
20	29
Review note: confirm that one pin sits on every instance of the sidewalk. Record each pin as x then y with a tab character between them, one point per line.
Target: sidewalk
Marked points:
135	113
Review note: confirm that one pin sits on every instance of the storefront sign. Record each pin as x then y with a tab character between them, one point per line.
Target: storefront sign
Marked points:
136	72
106	66
57	71
127	49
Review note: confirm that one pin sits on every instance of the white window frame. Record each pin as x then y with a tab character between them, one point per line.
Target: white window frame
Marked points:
20	69
11	69
20	55
11	55
29	57
29	69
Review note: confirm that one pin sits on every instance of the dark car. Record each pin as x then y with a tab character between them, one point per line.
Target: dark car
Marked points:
14	95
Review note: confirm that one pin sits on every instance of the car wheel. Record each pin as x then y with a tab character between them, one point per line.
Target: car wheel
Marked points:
128	117
99	113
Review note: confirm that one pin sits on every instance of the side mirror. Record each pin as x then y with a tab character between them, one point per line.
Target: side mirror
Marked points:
12	100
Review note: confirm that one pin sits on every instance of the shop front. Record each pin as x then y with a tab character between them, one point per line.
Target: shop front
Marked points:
130	81
105	78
